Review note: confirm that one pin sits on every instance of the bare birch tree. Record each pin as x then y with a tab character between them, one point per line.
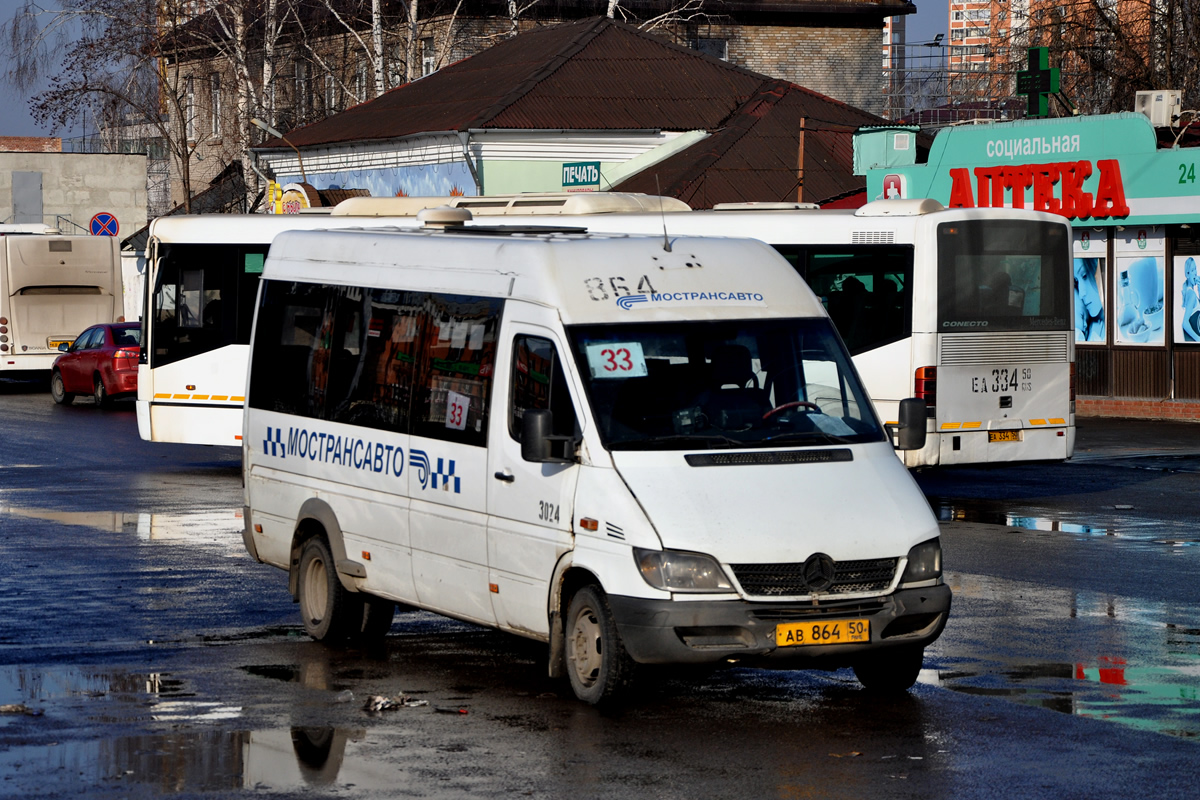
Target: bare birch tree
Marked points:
1107	50
103	63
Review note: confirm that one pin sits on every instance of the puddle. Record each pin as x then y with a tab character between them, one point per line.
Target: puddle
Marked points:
1127	660
966	511
194	755
204	761
220	526
107	697
1117	524
1160	699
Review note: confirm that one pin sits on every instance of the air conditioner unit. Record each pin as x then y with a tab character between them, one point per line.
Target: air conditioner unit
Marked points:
1161	106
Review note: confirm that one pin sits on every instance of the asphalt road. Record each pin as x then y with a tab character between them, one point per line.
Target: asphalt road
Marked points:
155	658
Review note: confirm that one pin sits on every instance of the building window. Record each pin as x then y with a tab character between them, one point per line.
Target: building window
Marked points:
330	94
189	107
214	86
360	82
301	91
428	59
717	48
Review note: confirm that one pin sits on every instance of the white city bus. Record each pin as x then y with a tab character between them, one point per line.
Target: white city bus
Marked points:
968	309
202	275
52	287
201	279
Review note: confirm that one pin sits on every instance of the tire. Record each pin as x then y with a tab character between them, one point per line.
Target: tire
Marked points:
598	666
329	612
100	393
890	671
60	395
377	619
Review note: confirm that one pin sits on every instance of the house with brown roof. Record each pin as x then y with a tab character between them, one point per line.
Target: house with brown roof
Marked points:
589	105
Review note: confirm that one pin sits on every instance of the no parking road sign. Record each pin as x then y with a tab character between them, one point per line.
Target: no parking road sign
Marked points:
104	224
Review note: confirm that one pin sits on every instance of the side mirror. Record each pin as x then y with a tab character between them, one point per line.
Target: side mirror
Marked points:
537	441
910	433
64	347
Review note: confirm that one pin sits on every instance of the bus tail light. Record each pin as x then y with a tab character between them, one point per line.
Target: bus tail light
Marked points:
1072	384
925	387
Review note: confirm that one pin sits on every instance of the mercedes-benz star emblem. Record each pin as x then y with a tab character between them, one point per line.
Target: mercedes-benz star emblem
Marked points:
818	572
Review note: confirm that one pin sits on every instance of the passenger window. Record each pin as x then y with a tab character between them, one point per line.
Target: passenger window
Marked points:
290	362
380	364
454	368
867	290
538	381
85	340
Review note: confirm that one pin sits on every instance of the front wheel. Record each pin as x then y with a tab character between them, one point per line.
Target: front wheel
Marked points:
598	666
330	613
58	391
892	670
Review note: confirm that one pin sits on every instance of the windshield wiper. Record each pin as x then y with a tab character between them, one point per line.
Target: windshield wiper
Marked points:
810	437
695	440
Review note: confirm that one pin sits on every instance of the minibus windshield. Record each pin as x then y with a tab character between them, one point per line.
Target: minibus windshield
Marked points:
722	384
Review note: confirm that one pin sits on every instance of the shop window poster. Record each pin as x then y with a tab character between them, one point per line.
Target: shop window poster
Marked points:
1140	307
1089	300
1187	308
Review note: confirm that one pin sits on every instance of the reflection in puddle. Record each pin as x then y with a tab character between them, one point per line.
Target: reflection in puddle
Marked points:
1118	658
960	511
220	526
1162	699
107	696
203	761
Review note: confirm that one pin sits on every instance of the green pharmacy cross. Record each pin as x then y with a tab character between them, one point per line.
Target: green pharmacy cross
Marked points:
1038	82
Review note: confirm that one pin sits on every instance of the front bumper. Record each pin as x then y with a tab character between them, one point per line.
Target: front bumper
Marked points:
680	632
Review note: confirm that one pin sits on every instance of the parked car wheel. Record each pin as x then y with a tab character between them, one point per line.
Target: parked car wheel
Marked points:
598	665
60	394
99	392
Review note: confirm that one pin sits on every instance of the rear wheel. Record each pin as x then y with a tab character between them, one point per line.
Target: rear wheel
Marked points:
330	613
892	670
58	392
377	619
99	392
598	666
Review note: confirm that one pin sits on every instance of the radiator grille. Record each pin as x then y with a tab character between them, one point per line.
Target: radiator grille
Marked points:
787	580
968	349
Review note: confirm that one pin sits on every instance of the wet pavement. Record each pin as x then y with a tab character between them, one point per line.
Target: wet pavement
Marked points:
153	658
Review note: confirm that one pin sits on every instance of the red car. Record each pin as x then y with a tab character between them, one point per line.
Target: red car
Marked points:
103	360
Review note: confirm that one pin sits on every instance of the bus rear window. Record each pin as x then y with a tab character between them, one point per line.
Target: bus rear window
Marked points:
1005	275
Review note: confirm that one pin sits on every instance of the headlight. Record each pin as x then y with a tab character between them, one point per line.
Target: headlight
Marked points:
674	571
924	562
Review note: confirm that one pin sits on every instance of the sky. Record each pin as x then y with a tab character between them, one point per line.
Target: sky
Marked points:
14	107
930	19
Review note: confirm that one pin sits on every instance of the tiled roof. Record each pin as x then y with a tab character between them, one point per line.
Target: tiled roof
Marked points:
755	155
598	74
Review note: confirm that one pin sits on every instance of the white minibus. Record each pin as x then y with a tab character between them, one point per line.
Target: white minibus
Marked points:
470	422
52	287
